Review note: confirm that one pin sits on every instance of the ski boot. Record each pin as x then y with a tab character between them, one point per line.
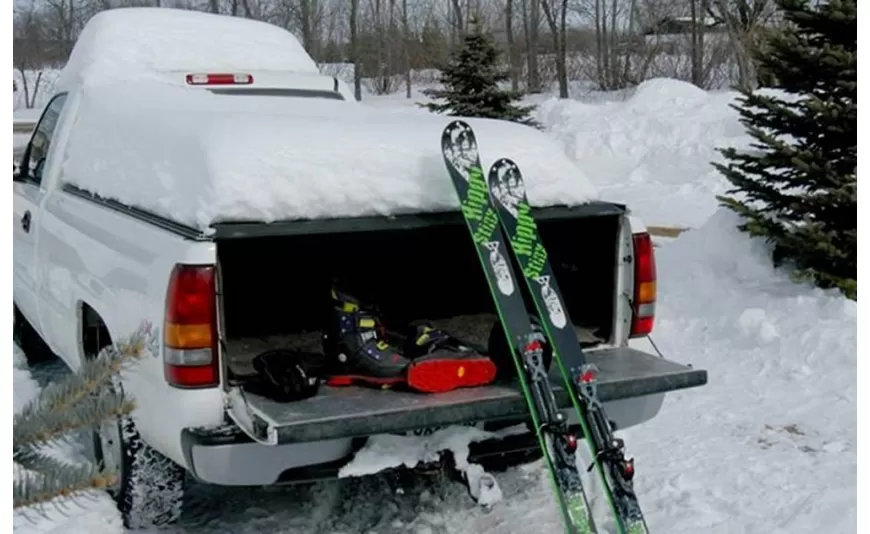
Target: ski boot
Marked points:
356	348
440	362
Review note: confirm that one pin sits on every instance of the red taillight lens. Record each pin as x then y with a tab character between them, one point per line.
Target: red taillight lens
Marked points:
645	290
219	79
190	329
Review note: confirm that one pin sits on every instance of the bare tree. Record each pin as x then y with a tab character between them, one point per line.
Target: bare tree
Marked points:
354	49
28	39
457	18
556	14
406	45
743	20
531	25
513	56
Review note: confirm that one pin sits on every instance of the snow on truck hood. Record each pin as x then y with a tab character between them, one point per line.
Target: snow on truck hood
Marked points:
199	158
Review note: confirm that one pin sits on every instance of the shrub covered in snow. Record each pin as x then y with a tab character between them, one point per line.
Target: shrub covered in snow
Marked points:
798	187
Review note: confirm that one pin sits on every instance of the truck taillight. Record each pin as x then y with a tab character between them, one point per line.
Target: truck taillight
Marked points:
644	308
219	79
190	349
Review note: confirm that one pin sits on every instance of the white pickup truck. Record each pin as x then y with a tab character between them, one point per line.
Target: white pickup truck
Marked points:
124	211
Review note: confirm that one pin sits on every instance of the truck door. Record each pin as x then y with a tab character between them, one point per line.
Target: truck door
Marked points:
27	196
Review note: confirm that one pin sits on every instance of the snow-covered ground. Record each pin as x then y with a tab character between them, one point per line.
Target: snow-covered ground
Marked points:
768	446
94	513
649	147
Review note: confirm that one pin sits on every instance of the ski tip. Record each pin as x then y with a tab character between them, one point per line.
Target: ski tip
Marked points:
457	133
503	163
457	123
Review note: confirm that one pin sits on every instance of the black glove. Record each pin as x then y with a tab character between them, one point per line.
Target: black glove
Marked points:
286	375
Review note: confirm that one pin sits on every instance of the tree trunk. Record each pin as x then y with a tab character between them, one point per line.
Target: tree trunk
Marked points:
599	46
563	50
695	48
354	50
613	53
25	86
33	95
703	73
390	44
457	28
406	45
512	46
305	26
532	40
557	31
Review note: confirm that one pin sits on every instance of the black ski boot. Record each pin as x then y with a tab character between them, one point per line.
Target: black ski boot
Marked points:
440	362
356	348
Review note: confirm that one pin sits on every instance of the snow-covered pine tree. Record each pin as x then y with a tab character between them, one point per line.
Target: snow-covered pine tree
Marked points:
471	80
81	400
797	185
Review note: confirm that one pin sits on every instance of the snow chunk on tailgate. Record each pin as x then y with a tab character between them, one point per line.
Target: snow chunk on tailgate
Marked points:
199	158
139	43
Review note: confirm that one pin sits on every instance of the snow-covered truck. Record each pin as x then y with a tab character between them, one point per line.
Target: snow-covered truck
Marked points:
198	172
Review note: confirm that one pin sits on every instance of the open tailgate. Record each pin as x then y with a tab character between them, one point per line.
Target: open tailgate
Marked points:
358	411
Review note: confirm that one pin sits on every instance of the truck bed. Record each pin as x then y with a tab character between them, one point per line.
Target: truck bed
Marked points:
360	411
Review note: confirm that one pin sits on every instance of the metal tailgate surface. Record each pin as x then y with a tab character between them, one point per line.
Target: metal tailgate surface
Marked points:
359	411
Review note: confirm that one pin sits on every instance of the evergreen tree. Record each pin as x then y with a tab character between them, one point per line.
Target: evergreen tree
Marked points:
81	400
470	83
797	187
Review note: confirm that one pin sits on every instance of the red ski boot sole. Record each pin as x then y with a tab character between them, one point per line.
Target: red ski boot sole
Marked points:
439	375
370	381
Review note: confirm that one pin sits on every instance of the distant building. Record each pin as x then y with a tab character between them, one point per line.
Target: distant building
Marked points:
675	33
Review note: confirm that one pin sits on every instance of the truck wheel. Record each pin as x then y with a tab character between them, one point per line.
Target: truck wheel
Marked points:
35	349
150	487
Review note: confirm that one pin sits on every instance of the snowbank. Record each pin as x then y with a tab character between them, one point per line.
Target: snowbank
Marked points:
653	150
85	515
199	158
130	44
769	444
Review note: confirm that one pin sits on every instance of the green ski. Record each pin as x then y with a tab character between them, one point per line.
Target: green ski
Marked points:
459	149
615	472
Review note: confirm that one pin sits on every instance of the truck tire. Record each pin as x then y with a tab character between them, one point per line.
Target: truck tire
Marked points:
35	349
149	490
150	487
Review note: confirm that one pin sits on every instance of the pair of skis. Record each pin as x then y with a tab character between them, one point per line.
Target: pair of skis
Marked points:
493	207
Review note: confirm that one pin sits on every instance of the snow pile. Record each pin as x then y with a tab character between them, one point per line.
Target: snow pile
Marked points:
653	150
198	158
769	445
24	387
93	513
390	451
131	44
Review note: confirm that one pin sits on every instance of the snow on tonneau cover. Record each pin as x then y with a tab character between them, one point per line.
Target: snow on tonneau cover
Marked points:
198	156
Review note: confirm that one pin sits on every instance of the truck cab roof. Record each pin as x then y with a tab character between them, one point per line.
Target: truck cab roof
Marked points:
133	44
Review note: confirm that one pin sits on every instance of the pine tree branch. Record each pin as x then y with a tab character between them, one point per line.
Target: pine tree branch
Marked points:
82	399
58	480
43	427
92	375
